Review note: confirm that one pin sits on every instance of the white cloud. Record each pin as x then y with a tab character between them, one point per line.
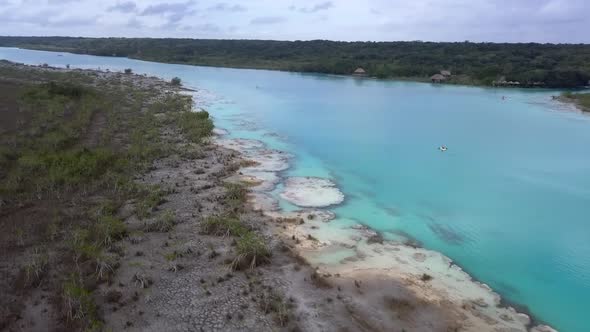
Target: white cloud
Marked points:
442	20
313	9
225	7
124	7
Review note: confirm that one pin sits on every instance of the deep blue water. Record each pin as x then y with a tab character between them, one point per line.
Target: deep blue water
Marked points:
509	201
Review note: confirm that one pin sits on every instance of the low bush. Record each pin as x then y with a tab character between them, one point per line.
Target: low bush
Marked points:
74	167
109	229
66	89
176	81
235	196
163	223
251	252
195	125
78	303
35	269
151	198
223	226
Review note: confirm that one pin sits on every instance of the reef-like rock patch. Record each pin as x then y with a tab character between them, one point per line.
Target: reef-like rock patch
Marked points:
263	202
269	160
220	132
305	216
240	144
311	192
258	180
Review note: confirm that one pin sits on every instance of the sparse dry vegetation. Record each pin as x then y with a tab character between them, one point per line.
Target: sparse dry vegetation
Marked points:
223	226
72	144
163	223
80	159
251	251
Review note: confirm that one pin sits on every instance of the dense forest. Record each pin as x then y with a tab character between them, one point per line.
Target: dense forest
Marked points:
546	65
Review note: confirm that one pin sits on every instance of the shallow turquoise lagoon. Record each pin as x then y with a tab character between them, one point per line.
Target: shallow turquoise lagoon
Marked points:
509	201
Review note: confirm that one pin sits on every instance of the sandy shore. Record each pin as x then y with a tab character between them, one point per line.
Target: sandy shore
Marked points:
423	288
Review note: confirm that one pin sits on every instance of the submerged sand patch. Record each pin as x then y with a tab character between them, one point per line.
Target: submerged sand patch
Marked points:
265	164
269	160
312	192
240	144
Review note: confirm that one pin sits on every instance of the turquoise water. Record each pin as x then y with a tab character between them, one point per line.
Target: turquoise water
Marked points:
509	201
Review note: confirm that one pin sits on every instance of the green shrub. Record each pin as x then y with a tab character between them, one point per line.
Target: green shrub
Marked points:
223	226
105	265
251	252
66	89
171	256
176	81
109	229
35	269
235	196
163	223
73	167
87	251
151	198
78	302
145	139
105	208
195	125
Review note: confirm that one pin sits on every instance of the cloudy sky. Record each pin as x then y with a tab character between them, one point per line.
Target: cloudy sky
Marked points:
433	20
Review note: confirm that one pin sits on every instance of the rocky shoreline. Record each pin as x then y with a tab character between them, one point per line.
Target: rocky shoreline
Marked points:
430	291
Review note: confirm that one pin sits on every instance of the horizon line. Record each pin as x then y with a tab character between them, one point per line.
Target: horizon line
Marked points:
305	40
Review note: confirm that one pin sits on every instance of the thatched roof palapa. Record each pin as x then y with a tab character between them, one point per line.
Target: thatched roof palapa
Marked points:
360	72
445	73
437	78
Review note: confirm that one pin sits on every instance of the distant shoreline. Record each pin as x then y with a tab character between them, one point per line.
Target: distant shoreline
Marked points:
519	65
371	78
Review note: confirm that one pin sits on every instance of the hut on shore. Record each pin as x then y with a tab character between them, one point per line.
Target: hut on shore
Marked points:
438	78
359	72
445	73
503	82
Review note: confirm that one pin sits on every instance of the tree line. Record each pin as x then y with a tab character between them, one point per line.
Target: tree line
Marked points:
530	64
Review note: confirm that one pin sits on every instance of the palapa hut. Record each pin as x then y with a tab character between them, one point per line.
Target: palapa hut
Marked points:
359	72
445	73
438	78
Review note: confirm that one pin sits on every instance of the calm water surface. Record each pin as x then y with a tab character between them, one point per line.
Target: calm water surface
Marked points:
509	201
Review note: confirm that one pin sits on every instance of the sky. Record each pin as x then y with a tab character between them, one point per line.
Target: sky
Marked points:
553	21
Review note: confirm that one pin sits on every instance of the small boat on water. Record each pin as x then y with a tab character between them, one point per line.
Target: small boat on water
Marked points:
442	148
